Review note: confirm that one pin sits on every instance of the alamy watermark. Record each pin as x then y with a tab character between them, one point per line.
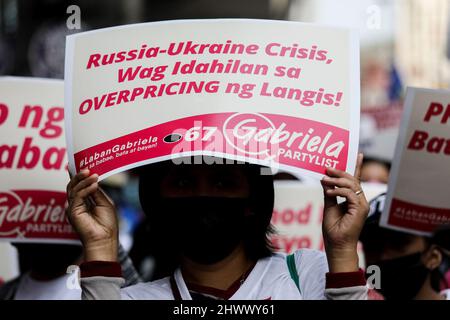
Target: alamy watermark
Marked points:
73	22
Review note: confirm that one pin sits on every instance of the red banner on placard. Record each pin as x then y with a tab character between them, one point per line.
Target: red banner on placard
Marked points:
417	217
290	141
34	214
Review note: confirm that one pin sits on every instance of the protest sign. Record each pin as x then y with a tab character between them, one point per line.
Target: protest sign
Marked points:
298	211
297	216
33	161
417	200
278	93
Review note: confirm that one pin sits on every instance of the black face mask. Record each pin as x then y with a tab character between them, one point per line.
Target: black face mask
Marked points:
444	268
205	229
402	278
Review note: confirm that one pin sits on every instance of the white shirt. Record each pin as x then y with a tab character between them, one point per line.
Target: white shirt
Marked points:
446	294
62	288
269	279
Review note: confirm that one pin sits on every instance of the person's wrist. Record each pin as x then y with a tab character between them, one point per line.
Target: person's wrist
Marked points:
342	260
104	250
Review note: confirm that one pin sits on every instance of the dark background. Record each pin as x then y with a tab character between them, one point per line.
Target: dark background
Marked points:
32	32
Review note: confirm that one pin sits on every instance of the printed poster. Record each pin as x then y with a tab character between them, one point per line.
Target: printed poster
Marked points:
33	161
418	198
284	94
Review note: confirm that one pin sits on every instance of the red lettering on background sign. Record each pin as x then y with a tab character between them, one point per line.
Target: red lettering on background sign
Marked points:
436	109
3	113
291	244
291	216
421	140
29	156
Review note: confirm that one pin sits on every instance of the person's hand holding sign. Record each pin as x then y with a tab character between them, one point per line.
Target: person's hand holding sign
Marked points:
93	216
342	223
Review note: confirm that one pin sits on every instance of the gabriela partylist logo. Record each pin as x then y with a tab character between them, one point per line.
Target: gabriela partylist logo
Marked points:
256	135
33	213
267	137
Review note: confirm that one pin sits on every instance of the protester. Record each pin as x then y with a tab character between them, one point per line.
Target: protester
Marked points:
441	238
151	265
45	273
215	219
411	266
375	170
